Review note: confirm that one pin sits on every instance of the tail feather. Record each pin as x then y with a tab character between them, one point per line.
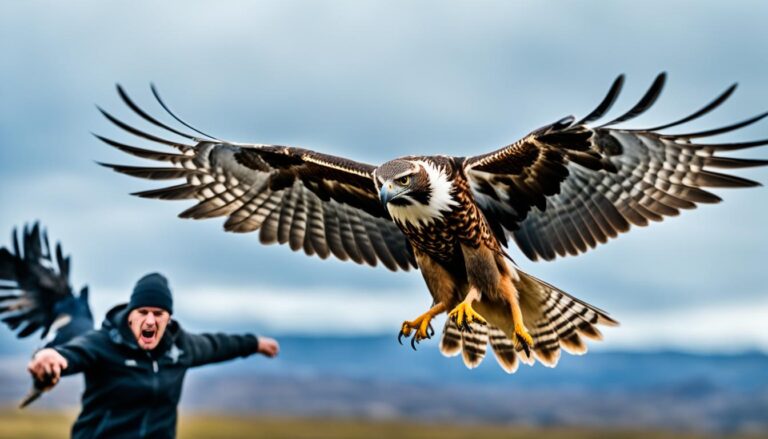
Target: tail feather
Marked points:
503	349
472	345
590	332
558	320
555	320
546	344
450	342
573	344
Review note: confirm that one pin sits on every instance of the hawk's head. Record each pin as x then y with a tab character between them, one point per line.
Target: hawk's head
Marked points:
414	191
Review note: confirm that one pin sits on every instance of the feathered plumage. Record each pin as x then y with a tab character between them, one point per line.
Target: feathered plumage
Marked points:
568	187
560	190
38	294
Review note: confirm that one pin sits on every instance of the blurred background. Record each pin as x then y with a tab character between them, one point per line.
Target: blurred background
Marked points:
372	81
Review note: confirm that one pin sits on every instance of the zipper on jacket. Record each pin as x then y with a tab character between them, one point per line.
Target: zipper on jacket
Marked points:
145	418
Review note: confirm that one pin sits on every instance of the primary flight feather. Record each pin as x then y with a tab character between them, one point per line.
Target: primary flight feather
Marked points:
560	190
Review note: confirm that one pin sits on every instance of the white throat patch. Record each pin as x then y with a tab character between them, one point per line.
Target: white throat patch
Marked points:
440	201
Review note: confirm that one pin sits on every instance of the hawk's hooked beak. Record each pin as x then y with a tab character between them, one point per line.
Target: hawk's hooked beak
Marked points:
389	192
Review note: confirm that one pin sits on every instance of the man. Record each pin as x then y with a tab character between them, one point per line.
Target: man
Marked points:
134	365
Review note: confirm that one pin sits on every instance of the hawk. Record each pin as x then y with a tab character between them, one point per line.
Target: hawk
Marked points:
561	190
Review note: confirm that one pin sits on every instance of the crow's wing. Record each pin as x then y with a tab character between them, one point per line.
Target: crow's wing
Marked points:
37	295
34	283
568	186
314	202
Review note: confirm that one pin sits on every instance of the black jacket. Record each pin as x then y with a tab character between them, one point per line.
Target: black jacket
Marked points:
131	392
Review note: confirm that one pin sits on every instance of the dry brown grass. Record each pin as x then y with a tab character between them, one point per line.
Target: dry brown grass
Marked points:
40	424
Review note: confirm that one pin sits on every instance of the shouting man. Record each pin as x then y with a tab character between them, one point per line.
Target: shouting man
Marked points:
135	364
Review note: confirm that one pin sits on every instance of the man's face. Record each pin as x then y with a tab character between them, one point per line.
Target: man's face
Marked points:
148	325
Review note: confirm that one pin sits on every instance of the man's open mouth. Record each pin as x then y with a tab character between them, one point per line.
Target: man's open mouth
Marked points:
148	335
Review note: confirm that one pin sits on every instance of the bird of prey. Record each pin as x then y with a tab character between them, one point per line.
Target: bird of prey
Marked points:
561	190
39	295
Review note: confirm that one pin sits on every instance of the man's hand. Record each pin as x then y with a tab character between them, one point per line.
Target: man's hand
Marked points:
268	346
47	364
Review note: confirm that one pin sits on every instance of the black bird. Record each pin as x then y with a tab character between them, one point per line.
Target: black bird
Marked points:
37	295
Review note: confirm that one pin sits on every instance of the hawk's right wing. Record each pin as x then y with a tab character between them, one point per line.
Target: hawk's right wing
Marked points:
314	202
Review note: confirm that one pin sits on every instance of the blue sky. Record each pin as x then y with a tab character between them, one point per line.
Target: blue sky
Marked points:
372	81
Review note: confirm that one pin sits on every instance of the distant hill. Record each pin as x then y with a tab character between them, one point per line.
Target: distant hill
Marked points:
374	377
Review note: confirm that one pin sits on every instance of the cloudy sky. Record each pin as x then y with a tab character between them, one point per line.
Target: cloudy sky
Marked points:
372	81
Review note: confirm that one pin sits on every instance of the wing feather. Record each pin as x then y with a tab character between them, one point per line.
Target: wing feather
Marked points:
606	103
567	187
333	238
317	203
645	102
40	285
317	228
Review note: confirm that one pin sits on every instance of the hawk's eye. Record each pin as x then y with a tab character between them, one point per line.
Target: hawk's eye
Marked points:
405	180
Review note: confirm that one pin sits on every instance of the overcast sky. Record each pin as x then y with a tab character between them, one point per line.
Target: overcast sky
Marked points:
372	81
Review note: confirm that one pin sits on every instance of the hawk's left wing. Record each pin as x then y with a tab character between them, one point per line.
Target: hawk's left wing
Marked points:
318	203
569	186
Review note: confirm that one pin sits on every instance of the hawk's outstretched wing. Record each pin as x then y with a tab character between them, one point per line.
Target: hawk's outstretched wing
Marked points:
315	202
569	186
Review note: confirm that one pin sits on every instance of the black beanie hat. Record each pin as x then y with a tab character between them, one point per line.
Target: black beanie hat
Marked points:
152	290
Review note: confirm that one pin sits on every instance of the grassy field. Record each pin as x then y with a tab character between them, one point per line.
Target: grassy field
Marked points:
48	424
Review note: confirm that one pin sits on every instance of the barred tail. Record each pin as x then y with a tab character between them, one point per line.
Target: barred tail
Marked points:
471	344
504	350
556	319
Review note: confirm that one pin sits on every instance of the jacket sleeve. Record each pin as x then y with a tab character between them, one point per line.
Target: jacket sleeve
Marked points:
213	348
81	352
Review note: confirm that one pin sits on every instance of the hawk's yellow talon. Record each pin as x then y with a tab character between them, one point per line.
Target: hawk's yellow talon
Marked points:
421	326
423	332
523	336
463	315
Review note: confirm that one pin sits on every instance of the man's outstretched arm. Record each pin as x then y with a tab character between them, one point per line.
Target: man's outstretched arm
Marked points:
67	359
213	348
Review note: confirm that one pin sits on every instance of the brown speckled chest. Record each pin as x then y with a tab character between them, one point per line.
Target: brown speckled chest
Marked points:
463	224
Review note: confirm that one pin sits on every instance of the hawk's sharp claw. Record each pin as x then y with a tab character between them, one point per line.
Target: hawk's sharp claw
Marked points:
525	339
418	329
463	316
526	348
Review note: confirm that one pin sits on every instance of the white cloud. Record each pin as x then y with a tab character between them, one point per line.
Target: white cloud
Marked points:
721	327
706	328
288	310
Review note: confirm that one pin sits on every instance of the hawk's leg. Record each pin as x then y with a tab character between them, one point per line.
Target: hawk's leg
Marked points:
464	314
421	325
522	336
